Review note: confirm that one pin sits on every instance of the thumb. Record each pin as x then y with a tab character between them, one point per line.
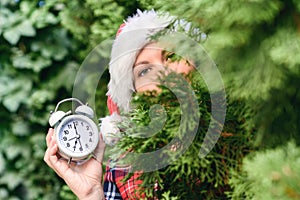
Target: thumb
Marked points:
100	149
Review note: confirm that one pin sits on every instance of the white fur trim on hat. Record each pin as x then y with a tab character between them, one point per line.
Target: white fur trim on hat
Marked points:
109	129
134	35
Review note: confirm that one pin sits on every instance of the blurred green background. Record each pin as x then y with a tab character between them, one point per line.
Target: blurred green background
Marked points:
255	44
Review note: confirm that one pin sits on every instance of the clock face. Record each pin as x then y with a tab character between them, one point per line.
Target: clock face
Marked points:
77	137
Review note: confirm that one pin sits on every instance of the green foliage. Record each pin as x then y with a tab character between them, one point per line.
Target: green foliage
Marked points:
34	44
255	45
270	174
151	127
93	20
42	46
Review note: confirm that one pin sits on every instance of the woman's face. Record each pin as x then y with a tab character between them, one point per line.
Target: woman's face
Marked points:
153	60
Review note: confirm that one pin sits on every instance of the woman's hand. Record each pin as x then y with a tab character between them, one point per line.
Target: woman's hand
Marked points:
84	180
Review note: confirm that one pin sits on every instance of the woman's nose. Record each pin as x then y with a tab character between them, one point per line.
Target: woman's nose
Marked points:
173	66
181	66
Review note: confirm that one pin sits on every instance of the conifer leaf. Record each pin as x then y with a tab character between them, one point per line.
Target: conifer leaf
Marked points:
40	18
12	35
269	174
18	94
20	128
12	180
25	7
2	164
25	28
27	62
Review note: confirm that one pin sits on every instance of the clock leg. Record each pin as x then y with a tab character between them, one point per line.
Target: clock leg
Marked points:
69	161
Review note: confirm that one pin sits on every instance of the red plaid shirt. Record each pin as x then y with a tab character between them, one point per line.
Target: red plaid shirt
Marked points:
115	187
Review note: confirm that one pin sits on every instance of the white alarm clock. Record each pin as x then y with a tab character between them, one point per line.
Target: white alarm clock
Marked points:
77	134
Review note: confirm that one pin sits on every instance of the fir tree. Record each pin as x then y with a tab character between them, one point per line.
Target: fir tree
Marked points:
256	47
150	128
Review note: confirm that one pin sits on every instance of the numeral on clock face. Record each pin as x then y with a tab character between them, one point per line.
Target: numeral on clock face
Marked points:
76	136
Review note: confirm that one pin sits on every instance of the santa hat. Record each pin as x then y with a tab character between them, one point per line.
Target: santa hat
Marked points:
132	36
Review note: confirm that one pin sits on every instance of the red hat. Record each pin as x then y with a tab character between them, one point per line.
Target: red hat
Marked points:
131	37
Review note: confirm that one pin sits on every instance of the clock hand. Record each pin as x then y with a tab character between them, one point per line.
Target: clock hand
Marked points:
72	138
75	144
75	128
77	137
79	142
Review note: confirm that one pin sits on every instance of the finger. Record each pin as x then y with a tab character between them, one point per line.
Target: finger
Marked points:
49	136
99	151
51	150
46	157
58	164
53	159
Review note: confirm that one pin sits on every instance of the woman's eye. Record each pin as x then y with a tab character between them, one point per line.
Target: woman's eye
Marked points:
144	72
170	56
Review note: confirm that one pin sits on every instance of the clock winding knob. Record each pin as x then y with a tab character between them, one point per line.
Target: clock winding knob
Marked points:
85	110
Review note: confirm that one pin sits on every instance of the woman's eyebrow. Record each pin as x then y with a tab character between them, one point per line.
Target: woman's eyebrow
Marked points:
141	63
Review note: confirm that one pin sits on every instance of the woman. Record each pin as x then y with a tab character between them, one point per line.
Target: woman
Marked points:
135	63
